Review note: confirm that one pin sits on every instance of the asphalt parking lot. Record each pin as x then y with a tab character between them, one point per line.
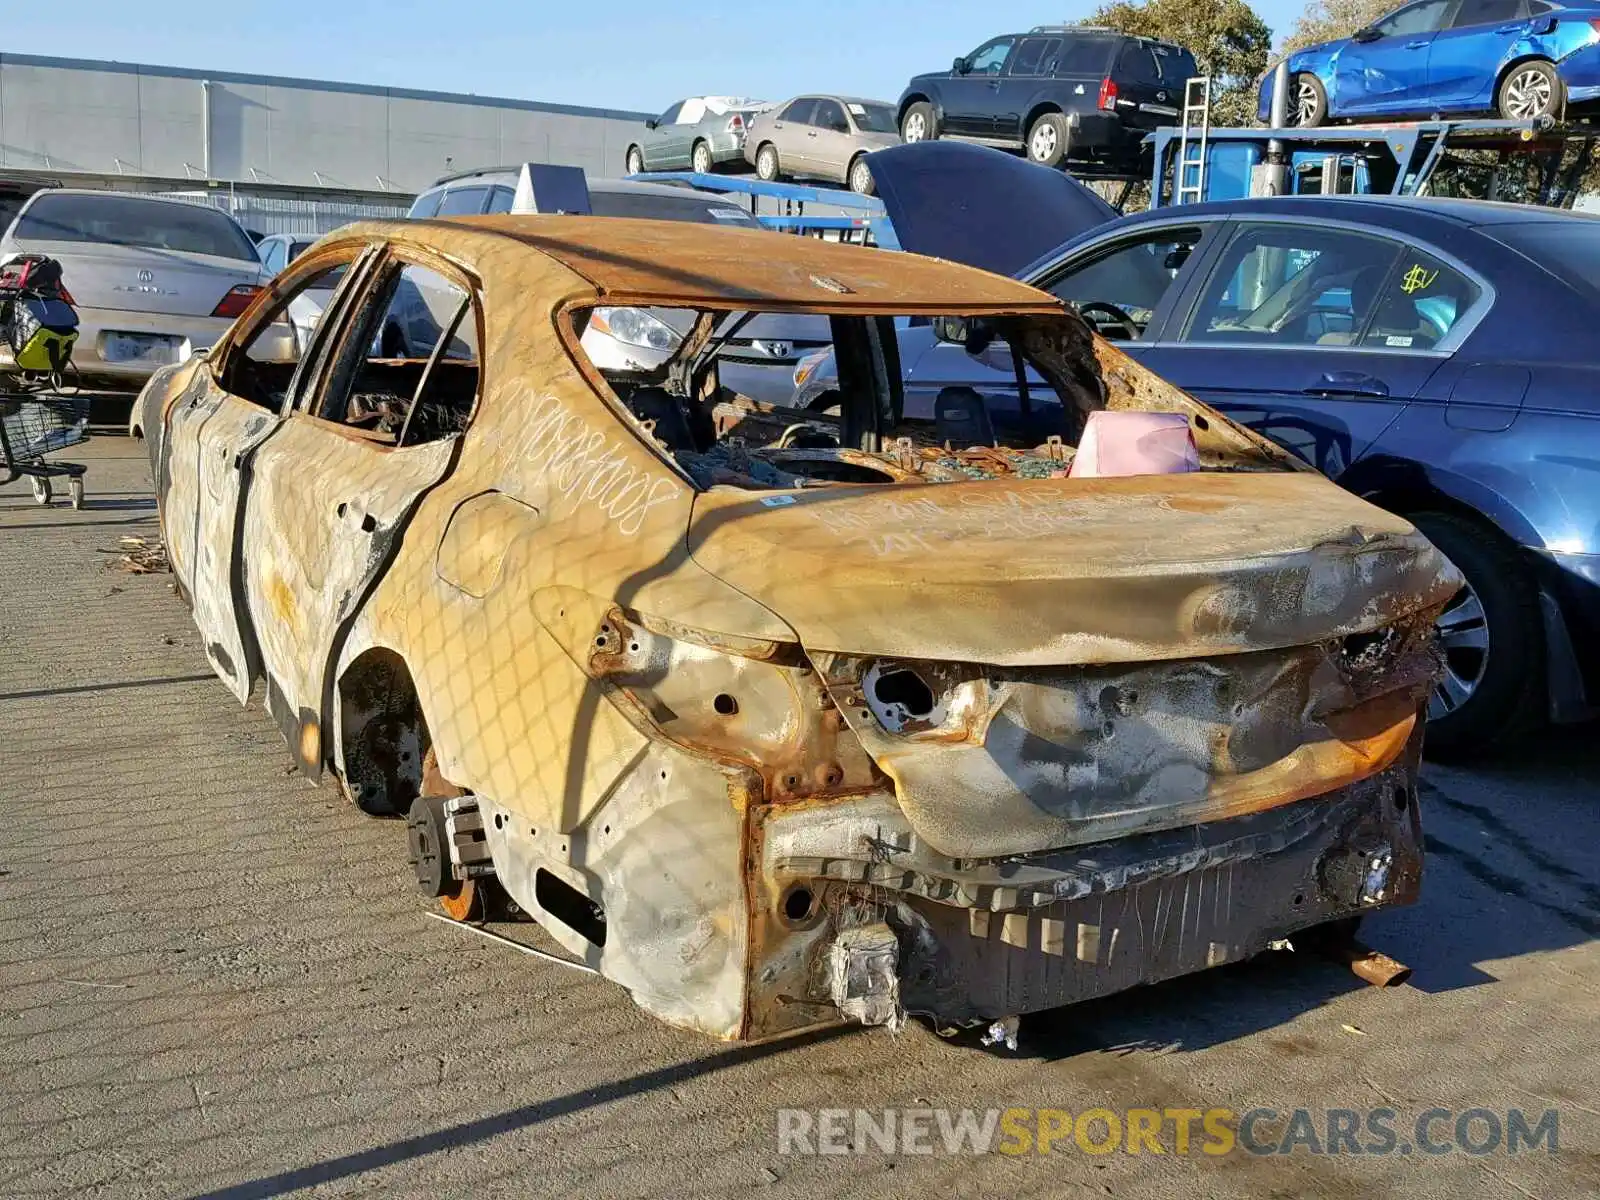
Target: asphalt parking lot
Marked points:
217	980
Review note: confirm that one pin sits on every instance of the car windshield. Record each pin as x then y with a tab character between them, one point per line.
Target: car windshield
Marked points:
1568	248
657	206
873	118
132	221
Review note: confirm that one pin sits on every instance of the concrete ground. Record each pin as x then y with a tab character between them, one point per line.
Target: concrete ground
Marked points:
217	980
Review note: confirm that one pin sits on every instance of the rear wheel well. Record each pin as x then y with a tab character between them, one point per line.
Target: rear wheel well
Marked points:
383	736
1038	110
1520	60
905	106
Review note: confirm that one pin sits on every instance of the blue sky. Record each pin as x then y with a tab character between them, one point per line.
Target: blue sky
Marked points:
634	54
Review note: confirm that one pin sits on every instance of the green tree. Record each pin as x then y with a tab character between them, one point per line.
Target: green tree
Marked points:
1327	20
1228	39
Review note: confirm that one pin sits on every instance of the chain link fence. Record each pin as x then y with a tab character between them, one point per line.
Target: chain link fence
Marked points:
308	218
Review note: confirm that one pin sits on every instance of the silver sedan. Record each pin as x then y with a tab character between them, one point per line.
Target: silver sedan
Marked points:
152	280
697	134
823	137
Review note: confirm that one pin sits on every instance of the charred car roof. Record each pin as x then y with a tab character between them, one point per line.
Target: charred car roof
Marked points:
677	265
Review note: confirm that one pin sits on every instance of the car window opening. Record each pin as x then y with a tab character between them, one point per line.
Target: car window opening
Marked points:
664	367
406	371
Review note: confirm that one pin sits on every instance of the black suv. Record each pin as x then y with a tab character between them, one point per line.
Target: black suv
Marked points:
1058	91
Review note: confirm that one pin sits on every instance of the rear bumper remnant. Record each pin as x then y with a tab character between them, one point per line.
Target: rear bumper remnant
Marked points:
981	939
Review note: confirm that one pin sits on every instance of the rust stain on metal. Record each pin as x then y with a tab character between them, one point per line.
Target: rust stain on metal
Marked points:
774	731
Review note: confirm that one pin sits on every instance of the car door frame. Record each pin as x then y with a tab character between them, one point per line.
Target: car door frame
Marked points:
1510	31
1412	99
356	545
1010	101
655	145
977	93
227	430
827	143
787	133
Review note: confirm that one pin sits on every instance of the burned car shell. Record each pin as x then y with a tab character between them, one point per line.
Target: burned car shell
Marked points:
772	760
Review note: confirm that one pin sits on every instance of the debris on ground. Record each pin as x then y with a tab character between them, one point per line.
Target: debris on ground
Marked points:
1003	1032
140	556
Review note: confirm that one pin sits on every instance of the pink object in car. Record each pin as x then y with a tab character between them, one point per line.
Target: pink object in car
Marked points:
1135	443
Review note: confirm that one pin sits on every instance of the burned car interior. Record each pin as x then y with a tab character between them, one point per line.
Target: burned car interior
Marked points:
720	437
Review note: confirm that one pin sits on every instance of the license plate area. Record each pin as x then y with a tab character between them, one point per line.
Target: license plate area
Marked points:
157	348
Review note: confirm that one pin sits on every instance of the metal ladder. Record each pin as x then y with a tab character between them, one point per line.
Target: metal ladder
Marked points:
1196	112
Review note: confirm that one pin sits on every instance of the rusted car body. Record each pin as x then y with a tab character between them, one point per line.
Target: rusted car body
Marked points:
776	732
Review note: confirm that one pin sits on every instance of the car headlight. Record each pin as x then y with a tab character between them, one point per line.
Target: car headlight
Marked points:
635	327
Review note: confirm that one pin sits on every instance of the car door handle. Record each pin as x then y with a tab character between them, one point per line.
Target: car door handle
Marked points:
1511	28
811	133
1347	383
1415	45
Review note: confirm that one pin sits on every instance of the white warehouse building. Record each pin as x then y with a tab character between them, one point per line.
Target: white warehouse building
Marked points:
65	115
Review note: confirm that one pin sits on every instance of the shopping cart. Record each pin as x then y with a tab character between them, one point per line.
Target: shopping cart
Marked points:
34	424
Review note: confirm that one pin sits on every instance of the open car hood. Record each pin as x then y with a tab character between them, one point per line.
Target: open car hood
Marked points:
983	207
1064	571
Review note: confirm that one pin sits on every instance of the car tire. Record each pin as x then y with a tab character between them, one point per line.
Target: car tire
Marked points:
1049	139
767	165
920	124
1530	90
859	177
700	159
635	160
1310	101
1492	640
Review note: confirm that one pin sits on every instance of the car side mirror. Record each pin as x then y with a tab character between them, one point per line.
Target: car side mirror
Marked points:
960	67
652	123
951	329
1544	25
1176	257
1365	35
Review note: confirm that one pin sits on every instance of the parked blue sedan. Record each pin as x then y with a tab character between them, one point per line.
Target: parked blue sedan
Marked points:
1519	58
1434	356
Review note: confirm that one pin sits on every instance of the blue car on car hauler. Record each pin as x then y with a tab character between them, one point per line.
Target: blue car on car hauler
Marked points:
1434	356
1518	58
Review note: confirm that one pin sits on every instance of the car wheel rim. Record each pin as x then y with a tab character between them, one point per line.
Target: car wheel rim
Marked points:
702	159
1305	102
1530	94
635	163
859	177
1044	143
916	128
1463	633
